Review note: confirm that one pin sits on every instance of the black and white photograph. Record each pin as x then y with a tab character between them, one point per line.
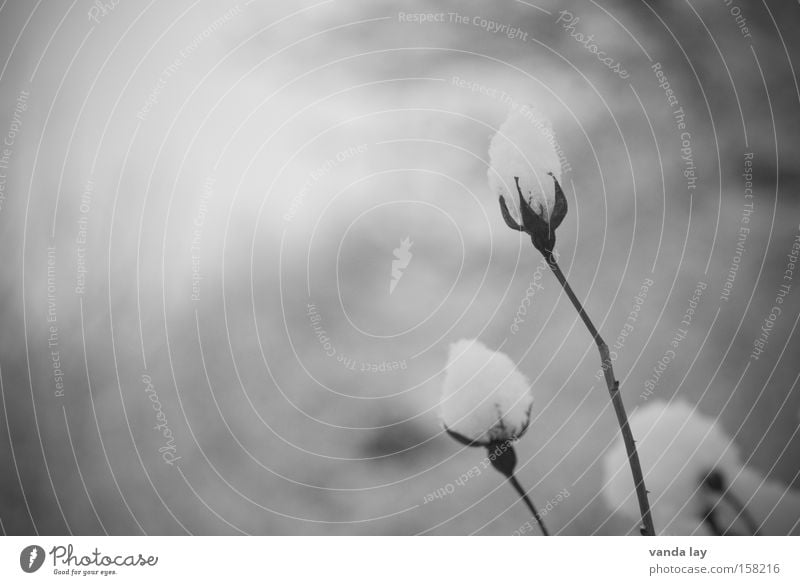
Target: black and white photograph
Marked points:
390	268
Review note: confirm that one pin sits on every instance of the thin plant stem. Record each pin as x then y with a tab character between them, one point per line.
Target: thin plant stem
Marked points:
524	495
647	528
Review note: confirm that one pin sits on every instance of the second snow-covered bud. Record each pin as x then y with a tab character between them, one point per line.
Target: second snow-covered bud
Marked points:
485	399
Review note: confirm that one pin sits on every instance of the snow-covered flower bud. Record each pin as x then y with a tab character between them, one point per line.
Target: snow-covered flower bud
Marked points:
485	399
524	163
688	463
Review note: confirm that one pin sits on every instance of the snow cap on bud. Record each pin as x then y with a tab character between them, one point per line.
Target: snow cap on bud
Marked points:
485	399
682	453
525	167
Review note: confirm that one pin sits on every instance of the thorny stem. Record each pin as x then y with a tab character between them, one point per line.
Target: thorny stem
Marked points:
523	494
647	528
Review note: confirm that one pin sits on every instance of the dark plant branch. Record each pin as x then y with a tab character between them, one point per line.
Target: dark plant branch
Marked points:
540	224
647	528
513	480
504	459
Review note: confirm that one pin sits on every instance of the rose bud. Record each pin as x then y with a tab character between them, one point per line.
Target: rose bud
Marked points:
524	164
485	399
696	477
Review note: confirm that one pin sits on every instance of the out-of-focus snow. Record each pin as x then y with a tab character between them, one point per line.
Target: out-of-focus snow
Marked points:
678	446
